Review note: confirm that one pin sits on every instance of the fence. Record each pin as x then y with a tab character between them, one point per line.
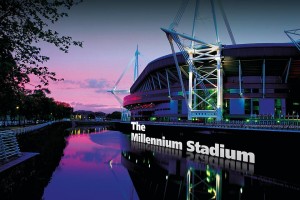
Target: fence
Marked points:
31	128
9	146
291	125
258	124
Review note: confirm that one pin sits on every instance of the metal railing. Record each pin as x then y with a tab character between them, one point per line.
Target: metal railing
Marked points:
9	146
31	128
258	124
284	125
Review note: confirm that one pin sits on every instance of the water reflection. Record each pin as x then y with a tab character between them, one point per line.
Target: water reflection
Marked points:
91	168
104	164
161	174
87	130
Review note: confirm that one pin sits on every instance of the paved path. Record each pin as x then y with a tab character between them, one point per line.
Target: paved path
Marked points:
22	158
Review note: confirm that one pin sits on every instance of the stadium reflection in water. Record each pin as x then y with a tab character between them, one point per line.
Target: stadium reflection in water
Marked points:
107	165
166	174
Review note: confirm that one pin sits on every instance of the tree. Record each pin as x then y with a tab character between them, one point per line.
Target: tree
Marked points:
114	115
37	106
62	110
10	92
25	23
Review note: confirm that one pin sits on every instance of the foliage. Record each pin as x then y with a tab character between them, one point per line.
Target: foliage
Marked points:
10	78
114	115
23	25
91	116
37	106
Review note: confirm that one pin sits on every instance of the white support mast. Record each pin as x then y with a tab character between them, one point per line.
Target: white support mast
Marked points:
114	91
136	64
205	74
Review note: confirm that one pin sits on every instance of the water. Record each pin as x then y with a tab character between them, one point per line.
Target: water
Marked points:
105	164
91	168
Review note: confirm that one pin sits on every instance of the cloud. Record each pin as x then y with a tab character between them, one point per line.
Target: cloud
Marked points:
101	85
72	82
93	83
94	107
77	104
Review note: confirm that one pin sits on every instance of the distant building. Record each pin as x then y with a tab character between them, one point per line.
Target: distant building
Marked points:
88	115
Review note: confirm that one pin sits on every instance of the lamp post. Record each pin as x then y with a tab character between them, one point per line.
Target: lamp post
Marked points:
17	108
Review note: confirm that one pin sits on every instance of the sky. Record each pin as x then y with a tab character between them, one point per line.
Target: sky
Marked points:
112	29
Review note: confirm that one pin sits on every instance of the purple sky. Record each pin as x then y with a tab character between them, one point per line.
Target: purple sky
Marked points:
111	30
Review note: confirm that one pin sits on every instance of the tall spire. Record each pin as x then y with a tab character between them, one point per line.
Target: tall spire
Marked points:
136	64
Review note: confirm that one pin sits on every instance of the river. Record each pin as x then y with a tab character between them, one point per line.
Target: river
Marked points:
105	164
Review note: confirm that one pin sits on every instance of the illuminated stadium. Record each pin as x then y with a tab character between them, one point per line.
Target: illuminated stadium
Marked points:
210	81
258	81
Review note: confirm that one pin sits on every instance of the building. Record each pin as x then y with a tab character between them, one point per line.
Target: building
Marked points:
88	115
259	81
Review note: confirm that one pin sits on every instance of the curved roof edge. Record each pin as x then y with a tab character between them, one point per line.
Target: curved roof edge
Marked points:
238	50
261	50
251	45
159	63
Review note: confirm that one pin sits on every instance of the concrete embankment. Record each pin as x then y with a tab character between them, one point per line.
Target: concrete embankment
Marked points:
92	123
28	179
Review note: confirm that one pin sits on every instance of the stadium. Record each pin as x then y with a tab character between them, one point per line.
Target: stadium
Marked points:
259	81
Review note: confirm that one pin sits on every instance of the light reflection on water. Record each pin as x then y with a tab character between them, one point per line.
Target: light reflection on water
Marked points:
87	130
91	168
104	164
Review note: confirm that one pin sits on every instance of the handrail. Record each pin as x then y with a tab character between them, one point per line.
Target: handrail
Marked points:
31	128
9	146
236	124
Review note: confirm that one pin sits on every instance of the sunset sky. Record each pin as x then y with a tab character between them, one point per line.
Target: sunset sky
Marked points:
111	30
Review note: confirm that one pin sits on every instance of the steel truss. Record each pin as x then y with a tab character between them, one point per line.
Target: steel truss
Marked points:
205	94
294	33
204	97
212	182
125	114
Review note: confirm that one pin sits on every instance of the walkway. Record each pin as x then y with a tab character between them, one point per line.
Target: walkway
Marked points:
233	125
10	154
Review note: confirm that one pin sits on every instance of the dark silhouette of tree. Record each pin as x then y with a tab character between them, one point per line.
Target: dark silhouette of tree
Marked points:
91	116
37	106
62	110
25	23
10	90
114	115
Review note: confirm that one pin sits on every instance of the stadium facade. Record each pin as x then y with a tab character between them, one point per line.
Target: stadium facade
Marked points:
259	81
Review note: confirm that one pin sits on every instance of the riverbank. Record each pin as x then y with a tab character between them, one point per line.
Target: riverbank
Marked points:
93	123
28	179
215	127
274	150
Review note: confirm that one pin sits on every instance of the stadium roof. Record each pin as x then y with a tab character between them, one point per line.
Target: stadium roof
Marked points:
251	56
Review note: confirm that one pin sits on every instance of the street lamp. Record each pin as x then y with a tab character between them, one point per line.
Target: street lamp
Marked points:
17	108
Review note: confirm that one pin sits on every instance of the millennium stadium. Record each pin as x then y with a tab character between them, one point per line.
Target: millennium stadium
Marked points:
201	81
258	81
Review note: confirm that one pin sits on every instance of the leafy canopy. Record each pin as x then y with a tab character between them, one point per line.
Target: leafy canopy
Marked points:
25	23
